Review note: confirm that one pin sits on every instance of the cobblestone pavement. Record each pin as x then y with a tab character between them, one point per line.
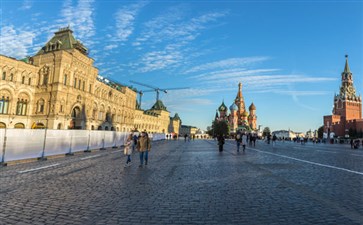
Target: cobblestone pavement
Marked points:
190	183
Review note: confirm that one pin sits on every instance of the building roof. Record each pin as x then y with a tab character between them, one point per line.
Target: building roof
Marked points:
346	67
233	107
252	107
63	40
222	107
176	117
159	106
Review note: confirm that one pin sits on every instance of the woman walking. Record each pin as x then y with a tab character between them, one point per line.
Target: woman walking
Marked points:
128	150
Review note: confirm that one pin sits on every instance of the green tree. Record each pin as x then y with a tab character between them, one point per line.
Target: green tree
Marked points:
266	131
320	132
220	128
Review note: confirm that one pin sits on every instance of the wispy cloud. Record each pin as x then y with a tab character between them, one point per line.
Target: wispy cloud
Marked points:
15	42
80	18
174	26
125	18
170	34
157	60
27	4
228	63
111	46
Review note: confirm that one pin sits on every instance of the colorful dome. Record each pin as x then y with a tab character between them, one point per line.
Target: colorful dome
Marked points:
223	107
245	114
252	107
233	107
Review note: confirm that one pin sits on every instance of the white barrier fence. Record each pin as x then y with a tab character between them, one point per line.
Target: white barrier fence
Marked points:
18	144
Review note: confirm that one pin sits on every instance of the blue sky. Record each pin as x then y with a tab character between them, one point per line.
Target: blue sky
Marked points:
288	54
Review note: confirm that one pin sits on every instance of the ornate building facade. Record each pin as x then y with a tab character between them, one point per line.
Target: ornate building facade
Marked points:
347	108
238	118
59	88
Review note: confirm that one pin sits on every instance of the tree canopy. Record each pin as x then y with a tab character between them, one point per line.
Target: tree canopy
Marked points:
220	128
266	132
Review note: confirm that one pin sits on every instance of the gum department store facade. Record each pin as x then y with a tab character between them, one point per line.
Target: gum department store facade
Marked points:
59	88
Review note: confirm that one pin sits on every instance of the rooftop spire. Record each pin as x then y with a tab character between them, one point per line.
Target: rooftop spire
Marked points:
346	68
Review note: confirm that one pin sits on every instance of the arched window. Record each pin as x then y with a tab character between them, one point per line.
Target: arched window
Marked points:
4	105
4	76
41	105
59	126
2	125
21	107
99	128
92	127
29	81
23	80
11	77
19	126
76	112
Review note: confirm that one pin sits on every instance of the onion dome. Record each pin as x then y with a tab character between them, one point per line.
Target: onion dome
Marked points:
223	107
245	114
252	107
233	107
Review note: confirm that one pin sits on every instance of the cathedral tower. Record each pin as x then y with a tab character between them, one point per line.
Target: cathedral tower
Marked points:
252	118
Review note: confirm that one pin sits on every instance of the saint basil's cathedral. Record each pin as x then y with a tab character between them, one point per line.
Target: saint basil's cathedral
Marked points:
238	118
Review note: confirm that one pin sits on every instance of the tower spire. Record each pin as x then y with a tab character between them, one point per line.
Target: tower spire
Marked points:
346	68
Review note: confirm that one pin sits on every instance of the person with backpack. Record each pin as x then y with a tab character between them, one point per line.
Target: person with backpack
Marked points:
238	140
144	147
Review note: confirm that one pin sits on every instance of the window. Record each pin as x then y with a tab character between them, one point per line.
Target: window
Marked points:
84	84
30	81
79	84
90	88
41	106
11	77
23	80
4	76
4	105
21	107
65	79
75	83
45	79
61	108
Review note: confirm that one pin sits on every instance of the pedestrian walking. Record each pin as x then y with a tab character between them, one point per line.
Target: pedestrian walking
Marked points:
254	140
134	142
238	141
128	150
351	143
244	142
274	138
220	142
144	147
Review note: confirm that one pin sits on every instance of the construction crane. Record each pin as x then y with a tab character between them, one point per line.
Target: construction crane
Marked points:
156	89
141	93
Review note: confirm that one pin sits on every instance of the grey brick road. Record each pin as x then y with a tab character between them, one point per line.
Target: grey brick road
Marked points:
190	183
